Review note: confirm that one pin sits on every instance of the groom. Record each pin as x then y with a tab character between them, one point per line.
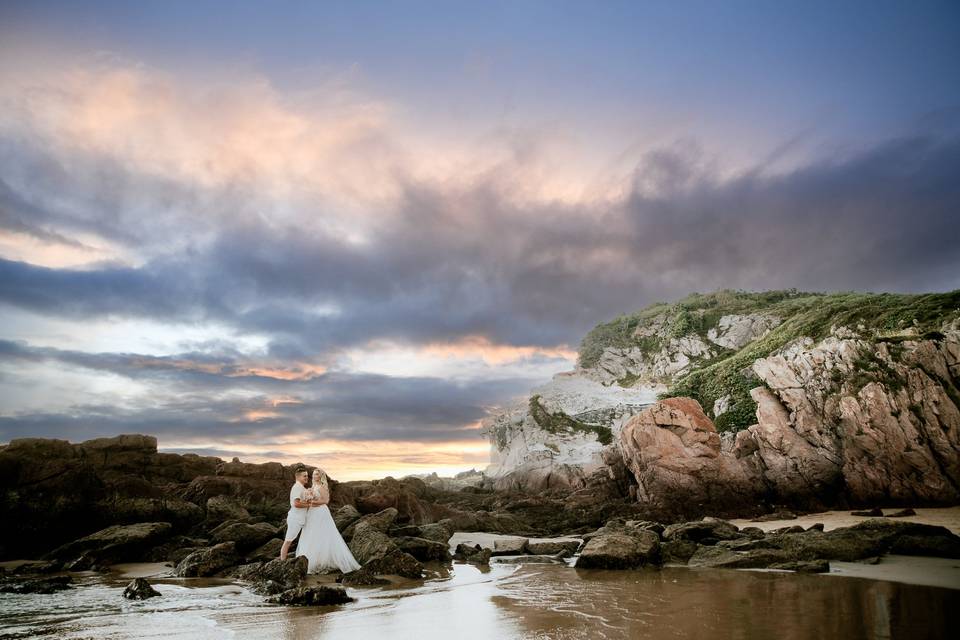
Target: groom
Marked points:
297	516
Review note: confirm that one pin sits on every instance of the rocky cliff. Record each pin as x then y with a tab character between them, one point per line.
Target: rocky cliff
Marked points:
771	398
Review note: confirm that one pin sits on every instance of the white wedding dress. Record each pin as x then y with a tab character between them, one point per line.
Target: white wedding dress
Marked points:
323	545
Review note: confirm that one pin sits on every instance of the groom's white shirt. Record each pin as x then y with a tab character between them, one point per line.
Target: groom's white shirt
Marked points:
296	515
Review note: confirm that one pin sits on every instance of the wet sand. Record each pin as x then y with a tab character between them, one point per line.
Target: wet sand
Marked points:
503	601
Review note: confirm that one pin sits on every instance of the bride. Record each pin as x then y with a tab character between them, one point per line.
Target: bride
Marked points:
320	541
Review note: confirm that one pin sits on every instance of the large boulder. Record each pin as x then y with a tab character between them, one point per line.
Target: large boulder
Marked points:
620	550
673	450
275	575
119	543
369	542
209	561
379	521
345	516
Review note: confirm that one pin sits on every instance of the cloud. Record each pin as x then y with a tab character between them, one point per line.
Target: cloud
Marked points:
327	226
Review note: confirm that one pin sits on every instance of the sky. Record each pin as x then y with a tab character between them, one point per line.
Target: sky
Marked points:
345	233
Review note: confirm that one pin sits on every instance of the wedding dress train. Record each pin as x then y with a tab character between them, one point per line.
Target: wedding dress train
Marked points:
323	545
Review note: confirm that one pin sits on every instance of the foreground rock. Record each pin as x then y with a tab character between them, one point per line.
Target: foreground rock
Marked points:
620	549
867	539
140	589
312	596
275	576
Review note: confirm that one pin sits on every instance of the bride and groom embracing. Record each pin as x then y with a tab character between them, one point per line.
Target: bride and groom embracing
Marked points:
309	517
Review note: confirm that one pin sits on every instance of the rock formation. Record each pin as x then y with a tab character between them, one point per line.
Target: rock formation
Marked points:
773	398
845	420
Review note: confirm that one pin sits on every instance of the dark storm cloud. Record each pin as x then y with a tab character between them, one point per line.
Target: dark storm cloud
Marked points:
189	402
458	262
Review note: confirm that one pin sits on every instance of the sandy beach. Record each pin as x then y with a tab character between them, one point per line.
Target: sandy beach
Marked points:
948	517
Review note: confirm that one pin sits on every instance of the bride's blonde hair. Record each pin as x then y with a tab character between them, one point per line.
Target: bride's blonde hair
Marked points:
323	477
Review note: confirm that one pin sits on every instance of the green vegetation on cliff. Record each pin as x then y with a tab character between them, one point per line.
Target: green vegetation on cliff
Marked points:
885	317
560	422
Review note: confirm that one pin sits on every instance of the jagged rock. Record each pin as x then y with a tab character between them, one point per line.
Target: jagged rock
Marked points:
209	561
41	586
872	513
389	493
345	516
423	549
510	546
673	451
474	555
311	596
118	543
277	575
379	521
368	543
220	508
395	562
438	531
737	331
620	550
902	513
140	589
246	536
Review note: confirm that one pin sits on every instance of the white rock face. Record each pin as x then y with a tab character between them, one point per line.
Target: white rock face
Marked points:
736	331
673	359
525	456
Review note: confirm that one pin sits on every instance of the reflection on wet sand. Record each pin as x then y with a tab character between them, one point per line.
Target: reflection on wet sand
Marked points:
507	601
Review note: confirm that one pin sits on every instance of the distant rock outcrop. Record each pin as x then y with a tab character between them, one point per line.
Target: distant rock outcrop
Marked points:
771	398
